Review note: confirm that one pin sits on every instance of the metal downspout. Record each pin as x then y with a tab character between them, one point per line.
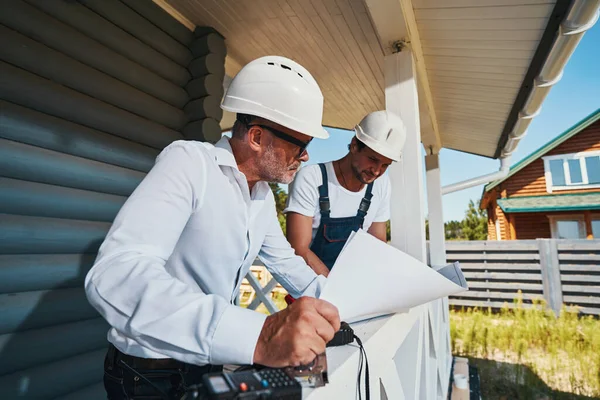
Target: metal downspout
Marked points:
582	15
480	180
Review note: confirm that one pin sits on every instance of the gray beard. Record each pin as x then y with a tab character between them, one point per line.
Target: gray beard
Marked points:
270	168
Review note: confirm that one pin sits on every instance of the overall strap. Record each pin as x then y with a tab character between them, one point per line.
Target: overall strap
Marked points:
324	204
365	203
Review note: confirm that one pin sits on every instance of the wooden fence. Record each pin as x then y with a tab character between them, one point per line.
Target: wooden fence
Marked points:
558	271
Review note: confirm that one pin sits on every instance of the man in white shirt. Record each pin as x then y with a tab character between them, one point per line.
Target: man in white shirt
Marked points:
327	202
170	268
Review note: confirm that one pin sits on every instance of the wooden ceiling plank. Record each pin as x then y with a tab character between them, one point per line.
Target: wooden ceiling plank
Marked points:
475	3
475	44
476	35
472	53
328	29
487	24
491	69
346	82
375	64
478	61
493	12
495	82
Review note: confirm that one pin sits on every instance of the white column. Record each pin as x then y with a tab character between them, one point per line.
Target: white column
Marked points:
437	245
437	256
408	217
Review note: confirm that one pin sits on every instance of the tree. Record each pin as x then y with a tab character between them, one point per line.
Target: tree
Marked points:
280	202
474	225
453	230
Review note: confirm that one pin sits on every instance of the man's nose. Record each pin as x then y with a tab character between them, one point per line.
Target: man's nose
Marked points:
304	157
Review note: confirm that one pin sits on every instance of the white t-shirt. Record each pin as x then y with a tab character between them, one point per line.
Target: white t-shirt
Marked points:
303	197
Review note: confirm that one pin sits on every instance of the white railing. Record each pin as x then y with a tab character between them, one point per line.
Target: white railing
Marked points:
409	353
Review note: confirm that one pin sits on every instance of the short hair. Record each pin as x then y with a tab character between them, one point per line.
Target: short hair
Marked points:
240	127
360	144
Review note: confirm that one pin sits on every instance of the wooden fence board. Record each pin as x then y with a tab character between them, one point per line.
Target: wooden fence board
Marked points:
580	278
581	289
579	268
578	245
500	267
498	295
581	299
521	245
579	257
485	304
509	276
506	285
492	256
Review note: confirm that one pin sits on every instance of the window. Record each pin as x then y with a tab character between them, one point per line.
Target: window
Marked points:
596	227
567	227
572	171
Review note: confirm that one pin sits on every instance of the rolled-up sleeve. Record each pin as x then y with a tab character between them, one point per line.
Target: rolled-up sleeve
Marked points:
290	270
133	291
303	196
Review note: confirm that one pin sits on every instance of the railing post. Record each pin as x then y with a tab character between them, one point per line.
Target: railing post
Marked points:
550	273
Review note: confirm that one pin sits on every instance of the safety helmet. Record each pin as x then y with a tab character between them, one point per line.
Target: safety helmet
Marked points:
383	132
279	90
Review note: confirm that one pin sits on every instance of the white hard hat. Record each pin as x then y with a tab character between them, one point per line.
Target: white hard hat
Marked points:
383	132
279	90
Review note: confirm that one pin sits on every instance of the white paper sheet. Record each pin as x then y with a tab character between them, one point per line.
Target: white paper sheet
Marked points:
371	278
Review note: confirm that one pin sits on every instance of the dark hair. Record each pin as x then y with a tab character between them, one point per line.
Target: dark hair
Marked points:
360	144
240	127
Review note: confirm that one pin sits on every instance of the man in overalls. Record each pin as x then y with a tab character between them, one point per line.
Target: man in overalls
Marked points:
327	202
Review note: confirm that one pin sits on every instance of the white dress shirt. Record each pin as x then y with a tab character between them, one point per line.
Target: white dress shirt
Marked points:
172	263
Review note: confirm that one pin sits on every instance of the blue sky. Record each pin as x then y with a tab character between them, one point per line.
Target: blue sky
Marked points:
575	96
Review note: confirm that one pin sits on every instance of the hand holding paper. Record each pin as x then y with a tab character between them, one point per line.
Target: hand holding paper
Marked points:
371	278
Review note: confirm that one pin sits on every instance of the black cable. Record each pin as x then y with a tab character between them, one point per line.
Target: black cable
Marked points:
363	355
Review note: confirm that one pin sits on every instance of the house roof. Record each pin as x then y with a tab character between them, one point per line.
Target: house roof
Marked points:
482	66
561	202
563	137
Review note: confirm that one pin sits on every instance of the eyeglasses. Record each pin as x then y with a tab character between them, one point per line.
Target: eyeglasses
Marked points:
284	136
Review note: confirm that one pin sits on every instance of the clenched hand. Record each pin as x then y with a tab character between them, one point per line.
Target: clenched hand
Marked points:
297	334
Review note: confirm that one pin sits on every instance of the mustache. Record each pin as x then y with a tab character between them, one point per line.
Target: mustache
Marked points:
294	166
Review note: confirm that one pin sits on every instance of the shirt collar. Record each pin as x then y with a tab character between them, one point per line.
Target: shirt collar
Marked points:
224	153
224	157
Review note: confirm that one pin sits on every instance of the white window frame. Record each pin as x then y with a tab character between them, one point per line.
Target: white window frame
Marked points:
567	217
592	218
581	156
498	230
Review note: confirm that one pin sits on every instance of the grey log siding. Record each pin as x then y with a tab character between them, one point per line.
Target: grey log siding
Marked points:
557	271
90	92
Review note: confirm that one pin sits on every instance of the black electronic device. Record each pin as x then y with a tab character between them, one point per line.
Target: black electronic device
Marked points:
344	336
269	383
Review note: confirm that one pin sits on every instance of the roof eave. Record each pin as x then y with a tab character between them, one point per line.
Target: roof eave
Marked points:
563	137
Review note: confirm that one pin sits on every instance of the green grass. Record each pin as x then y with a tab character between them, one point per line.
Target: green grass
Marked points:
563	351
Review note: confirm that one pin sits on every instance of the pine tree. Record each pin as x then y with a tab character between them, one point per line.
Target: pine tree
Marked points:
474	225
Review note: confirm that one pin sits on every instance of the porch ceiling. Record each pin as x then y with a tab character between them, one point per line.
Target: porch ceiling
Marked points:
472	55
477	54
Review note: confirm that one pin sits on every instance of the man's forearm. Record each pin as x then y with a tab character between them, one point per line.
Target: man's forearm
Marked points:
315	262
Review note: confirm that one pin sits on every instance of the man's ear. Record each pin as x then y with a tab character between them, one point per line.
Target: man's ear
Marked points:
353	145
255	137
